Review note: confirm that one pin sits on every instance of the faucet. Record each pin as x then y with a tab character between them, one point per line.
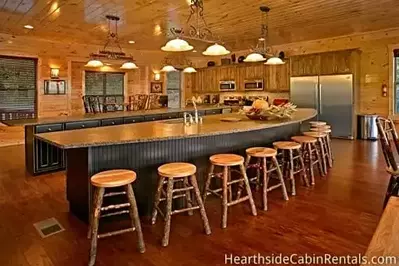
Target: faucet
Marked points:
197	118
189	121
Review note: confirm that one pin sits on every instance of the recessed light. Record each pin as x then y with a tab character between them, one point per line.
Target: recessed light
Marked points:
29	27
9	41
131	42
194	51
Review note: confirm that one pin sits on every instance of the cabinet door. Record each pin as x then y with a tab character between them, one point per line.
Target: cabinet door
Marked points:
227	73
241	76
338	62
254	71
305	65
277	78
190	82
199	82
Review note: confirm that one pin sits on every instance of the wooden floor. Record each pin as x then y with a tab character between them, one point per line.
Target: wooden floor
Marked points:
337	216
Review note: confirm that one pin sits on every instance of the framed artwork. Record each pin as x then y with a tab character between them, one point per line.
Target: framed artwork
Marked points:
156	87
54	87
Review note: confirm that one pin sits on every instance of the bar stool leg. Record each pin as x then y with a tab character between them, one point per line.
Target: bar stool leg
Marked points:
201	205
265	183
248	188
327	140
135	219
208	182
168	214
291	170
280	177
99	195
188	196
229	188
320	162
157	199
304	176
224	196
323	154
308	147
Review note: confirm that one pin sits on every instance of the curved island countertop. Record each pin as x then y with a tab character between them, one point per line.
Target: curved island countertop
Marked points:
165	130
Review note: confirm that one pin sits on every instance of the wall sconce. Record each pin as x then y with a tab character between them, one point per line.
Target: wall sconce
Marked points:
384	90
54	73
157	76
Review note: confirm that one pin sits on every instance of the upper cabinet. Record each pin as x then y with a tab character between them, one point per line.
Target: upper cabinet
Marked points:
277	78
329	63
305	65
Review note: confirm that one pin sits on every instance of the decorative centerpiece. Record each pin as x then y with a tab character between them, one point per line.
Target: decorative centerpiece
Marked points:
261	110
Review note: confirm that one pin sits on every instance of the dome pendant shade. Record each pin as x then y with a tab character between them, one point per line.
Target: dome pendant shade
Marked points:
168	68
189	70
254	57
274	61
94	63
215	50
129	65
177	45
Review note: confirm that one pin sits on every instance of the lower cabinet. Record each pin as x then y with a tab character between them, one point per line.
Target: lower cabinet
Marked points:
47	157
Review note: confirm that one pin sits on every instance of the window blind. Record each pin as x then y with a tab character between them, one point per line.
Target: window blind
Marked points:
104	84
17	87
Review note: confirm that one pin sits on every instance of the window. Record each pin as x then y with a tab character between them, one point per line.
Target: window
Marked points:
107	86
396	78
17	88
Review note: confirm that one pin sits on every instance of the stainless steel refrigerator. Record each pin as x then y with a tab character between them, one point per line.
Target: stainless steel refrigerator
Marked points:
331	96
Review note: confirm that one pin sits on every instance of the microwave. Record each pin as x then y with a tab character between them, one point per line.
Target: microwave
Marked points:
253	85
227	85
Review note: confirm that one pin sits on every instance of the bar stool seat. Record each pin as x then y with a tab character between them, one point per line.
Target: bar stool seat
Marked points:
304	139
113	178
321	129
315	134
317	123
177	170
286	145
226	160
261	152
322	126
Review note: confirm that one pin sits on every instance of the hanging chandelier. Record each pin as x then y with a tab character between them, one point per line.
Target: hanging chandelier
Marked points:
262	52
181	62
107	53
196	31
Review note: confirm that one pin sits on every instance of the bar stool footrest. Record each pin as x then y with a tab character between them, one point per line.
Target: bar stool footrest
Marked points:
114	213
115	206
117	232
185	210
234	202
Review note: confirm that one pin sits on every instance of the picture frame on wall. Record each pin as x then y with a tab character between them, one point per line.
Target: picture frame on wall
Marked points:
156	87
54	87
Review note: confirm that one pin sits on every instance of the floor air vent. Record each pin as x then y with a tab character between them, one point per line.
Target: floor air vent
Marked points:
48	227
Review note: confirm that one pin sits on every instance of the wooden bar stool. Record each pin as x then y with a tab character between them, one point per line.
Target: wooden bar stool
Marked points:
288	149
317	123
311	155
262	154
326	129
227	161
112	179
322	146
172	174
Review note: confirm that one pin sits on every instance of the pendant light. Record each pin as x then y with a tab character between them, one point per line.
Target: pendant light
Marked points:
274	61
254	57
129	65
111	54
177	45
168	68
94	63
216	50
189	70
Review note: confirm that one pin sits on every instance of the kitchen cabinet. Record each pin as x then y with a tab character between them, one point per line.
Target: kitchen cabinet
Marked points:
277	78
227	73
338	62
133	119
111	122
82	124
210	80
305	65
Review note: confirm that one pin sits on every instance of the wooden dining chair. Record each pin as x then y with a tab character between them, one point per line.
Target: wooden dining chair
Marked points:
389	138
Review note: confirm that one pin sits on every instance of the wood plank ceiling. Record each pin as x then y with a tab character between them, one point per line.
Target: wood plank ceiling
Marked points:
237	22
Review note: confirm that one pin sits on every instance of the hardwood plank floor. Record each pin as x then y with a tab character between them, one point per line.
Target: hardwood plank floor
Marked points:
337	216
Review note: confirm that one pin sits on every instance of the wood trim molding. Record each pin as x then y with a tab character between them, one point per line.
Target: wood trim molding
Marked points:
391	85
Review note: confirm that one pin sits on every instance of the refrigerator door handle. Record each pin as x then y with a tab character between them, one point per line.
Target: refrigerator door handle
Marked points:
320	106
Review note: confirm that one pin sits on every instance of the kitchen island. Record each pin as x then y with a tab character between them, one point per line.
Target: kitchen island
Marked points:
42	157
143	147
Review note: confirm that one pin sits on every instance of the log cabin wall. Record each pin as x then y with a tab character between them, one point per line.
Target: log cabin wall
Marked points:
70	59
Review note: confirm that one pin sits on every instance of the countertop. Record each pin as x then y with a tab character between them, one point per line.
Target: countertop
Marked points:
385	241
163	130
83	117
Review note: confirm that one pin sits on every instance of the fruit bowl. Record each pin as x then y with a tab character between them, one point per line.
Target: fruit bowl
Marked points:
283	111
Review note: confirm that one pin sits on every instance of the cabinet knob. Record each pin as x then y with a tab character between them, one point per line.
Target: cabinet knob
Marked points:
113	123
83	126
49	129
133	121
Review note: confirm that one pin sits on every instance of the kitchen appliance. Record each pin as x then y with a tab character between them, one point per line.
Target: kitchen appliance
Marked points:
331	96
227	85
253	85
